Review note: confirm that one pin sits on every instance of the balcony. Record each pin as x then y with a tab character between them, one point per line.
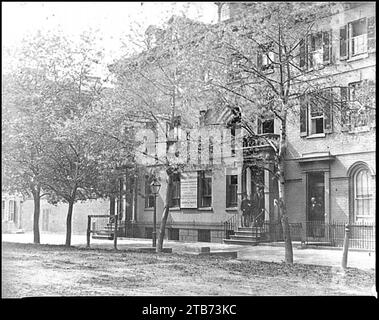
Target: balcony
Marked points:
262	141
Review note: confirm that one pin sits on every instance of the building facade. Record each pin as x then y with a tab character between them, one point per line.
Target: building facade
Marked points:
330	163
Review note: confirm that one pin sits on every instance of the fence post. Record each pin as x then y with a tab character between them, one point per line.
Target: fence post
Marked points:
345	246
115	232
88	231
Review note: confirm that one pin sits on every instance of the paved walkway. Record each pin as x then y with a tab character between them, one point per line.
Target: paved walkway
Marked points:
270	253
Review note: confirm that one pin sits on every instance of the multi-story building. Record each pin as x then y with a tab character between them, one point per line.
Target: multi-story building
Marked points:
330	161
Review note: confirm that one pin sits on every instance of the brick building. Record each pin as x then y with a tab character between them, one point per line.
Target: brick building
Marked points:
330	161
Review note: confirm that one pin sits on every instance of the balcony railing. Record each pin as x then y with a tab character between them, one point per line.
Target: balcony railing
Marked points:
357	119
263	140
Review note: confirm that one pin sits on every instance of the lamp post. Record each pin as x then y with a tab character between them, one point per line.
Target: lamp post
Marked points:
155	186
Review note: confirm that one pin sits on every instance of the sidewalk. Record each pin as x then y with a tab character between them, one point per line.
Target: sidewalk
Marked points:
326	257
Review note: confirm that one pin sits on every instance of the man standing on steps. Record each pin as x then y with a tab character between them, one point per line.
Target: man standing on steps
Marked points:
246	211
257	207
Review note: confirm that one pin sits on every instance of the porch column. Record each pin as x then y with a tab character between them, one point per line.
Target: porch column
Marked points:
239	190
248	182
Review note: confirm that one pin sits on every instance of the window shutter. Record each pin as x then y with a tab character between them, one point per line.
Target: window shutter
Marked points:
344	93
326	46
259	60
344	48
303	116
259	125
371	34
227	191
302	54
328	112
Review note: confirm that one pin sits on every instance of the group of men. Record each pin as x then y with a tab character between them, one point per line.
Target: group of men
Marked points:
253	209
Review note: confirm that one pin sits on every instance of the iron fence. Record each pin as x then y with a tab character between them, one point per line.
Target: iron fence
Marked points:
362	235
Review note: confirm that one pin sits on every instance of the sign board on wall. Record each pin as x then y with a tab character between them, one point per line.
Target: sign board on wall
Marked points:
188	190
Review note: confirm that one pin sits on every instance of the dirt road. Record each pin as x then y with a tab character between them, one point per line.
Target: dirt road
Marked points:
48	270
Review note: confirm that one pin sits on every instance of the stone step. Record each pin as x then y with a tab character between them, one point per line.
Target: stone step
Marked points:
241	242
248	233
249	228
102	237
239	237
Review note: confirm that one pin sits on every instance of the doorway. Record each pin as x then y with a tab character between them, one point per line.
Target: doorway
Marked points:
316	204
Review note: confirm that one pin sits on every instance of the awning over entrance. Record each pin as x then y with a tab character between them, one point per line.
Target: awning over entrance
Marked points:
315	157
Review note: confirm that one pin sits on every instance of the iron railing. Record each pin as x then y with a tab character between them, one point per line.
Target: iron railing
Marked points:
362	235
231	226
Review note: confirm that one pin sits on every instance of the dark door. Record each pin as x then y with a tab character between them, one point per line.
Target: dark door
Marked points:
316	204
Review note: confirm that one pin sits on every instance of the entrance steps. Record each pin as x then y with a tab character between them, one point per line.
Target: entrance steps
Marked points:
245	236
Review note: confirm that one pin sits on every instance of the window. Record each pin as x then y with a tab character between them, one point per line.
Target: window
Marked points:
149	196
173	234
236	61
316	113
203	235
205	189
316	119
266	57
360	113
265	126
363	195
175	198
12	210
231	191
315	51
357	38
2	210
148	233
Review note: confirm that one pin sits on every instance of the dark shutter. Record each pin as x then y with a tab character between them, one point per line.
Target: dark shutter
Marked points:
344	48
303	116
259	125
326	46
259	60
344	93
227	191
328	111
371	34
302	54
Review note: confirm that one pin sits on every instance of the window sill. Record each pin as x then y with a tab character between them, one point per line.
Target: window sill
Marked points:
358	57
205	209
316	135
232	209
175	209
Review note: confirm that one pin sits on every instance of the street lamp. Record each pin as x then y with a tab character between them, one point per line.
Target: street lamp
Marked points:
155	186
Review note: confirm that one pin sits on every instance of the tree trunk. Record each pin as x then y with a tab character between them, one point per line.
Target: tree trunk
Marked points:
282	200
37	208
165	212
69	222
284	217
112	202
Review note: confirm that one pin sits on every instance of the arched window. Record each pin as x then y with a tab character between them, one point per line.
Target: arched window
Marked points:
362	194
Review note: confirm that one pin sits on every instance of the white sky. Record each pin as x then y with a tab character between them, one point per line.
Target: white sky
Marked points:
112	18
